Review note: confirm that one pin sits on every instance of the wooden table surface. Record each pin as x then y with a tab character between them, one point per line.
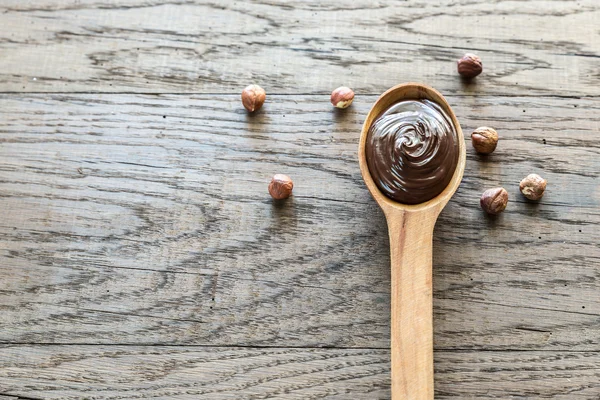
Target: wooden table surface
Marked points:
142	257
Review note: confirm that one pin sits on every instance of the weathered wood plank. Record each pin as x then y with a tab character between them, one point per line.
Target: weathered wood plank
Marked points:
121	226
535	47
119	372
144	219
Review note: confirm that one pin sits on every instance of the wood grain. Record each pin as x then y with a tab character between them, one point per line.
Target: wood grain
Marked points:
411	300
179	372
528	48
123	227
140	254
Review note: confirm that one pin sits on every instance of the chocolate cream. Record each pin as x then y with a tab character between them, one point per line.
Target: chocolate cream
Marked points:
412	151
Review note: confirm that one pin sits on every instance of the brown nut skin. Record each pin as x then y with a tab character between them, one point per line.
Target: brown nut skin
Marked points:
281	187
533	186
494	201
484	140
469	66
342	97
253	97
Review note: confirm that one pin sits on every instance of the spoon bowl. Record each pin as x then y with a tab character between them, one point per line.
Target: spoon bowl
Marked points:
410	228
410	91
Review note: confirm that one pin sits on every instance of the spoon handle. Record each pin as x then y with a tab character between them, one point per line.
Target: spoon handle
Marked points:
411	236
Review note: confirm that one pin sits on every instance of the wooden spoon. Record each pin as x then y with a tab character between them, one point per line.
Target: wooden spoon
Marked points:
411	231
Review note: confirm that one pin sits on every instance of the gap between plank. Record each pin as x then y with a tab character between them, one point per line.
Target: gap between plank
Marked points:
264	347
295	94
16	397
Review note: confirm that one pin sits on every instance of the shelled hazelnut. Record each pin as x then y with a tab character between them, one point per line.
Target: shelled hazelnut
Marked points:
469	66
484	140
281	187
494	201
342	97
533	186
253	97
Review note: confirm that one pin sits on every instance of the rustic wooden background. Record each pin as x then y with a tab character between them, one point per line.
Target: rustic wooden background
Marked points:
140	253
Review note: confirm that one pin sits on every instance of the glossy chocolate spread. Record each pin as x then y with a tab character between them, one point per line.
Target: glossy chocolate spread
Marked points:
412	151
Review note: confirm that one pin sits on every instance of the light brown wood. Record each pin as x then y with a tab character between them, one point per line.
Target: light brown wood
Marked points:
410	229
411	235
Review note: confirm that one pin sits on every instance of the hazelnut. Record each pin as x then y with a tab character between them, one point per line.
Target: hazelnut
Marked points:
469	66
533	186
493	201
484	140
253	97
342	97
281	187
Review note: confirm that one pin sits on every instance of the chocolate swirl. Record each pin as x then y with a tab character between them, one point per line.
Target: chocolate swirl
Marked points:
412	151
